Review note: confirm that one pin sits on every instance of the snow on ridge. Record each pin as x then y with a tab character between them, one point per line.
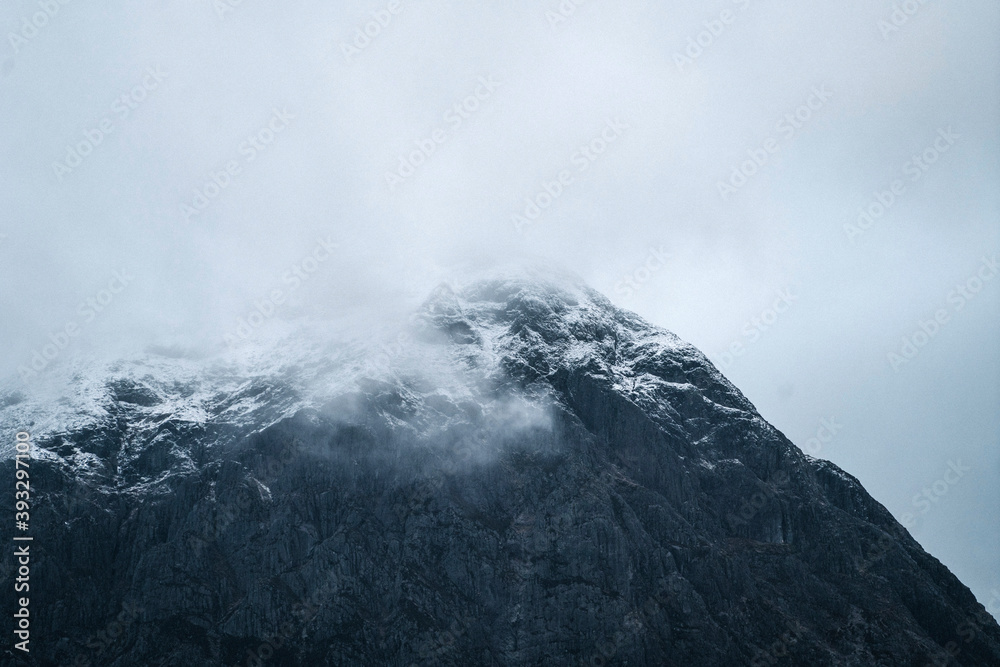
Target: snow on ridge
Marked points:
510	315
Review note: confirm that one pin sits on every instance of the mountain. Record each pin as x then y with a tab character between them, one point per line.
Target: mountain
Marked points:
523	475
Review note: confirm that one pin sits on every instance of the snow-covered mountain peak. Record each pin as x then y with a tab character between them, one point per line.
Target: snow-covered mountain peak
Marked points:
476	342
520	446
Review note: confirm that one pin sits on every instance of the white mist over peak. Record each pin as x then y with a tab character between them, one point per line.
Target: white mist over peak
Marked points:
238	164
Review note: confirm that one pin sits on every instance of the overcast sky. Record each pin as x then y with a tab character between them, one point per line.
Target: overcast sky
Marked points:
702	163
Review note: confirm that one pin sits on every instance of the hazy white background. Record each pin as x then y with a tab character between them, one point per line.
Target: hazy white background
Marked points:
655	188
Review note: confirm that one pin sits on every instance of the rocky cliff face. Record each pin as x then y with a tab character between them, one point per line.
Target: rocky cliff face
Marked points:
527	476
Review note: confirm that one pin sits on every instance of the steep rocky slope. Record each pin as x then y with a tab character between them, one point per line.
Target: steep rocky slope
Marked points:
527	476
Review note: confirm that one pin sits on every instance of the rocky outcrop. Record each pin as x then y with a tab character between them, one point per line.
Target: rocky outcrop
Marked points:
540	479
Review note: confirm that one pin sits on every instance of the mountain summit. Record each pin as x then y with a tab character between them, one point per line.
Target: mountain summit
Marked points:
524	475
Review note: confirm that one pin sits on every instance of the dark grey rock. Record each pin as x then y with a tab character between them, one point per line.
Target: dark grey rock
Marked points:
544	480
